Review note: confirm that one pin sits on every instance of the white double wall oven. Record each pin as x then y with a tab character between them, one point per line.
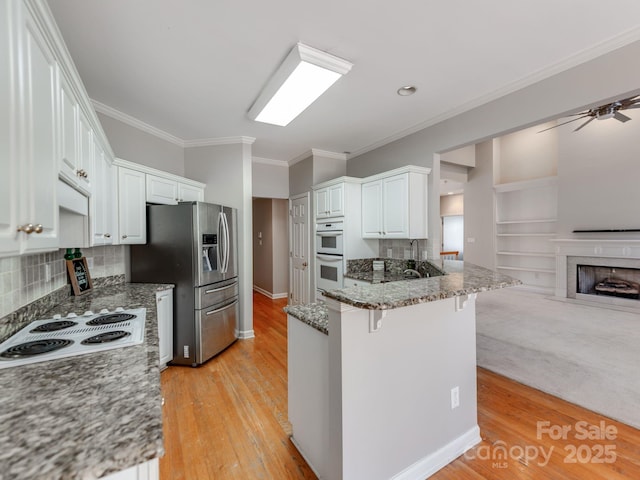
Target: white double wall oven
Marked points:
329	256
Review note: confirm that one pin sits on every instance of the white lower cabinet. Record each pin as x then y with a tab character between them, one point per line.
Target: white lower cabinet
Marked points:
145	471
132	214
164	306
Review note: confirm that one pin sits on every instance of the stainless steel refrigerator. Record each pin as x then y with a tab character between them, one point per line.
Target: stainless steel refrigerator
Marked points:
193	245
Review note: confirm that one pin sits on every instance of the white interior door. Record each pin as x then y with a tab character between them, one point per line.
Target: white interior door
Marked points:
299	248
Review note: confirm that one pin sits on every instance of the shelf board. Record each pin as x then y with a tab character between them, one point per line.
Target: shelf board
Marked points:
538	220
528	254
525	269
526	184
525	234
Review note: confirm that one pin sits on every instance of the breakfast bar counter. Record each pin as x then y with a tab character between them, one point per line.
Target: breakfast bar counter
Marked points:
388	390
86	416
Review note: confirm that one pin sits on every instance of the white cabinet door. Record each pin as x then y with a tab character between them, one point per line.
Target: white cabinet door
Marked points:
145	471
9	240
372	209
102	205
164	303
329	201
86	173
322	203
38	205
69	133
395	206
336	200
132	214
188	193
161	190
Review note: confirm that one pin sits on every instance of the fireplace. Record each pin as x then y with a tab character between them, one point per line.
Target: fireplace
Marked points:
611	265
608	281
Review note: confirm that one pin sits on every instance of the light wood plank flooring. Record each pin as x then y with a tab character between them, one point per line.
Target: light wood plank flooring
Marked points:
228	420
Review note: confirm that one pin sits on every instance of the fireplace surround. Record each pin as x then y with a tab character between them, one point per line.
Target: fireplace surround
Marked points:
615	254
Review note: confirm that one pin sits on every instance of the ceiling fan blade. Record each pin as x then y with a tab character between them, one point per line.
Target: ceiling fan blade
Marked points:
564	123
585	124
623	118
633	105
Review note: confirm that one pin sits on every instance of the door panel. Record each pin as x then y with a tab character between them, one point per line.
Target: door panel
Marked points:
299	245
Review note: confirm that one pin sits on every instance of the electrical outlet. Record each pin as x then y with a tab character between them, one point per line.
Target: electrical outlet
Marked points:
471	239
455	397
389	252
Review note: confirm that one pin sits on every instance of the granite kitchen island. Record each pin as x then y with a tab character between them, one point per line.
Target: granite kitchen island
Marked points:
382	377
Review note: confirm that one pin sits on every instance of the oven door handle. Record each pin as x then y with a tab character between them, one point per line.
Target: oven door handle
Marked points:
329	258
329	234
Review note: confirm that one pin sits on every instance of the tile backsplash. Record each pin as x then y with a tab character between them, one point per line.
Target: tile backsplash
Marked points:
26	278
401	249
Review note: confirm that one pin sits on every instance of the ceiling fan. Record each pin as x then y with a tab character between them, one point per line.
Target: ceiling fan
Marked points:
610	110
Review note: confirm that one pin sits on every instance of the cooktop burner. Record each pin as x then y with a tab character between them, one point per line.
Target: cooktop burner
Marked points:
53	326
35	347
112	318
106	337
59	337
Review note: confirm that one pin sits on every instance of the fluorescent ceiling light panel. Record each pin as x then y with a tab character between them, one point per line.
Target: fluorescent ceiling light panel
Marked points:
304	75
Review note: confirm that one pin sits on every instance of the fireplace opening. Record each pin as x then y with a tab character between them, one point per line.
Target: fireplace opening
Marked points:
608	281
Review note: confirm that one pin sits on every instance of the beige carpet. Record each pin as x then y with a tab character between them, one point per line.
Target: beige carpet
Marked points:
586	355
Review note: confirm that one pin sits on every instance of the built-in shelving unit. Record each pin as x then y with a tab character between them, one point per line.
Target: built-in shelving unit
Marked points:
525	223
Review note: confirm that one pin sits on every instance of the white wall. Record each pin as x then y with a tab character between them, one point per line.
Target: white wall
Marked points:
130	143
226	169
270	180
451	205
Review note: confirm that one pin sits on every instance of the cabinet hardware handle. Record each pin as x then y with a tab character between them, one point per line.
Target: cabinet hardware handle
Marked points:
159	299
305	264
38	228
107	235
124	236
28	229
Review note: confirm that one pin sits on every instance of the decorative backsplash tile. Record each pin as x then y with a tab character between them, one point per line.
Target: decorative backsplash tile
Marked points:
401	249
27	278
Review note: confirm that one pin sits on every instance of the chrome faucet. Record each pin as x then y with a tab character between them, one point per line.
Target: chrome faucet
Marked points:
412	272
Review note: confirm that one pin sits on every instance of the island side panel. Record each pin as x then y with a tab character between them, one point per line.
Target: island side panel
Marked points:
390	390
308	387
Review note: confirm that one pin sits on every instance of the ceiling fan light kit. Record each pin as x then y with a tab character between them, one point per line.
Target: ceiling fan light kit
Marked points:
304	75
603	112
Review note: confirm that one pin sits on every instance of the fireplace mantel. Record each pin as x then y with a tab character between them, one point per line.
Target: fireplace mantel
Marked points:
593	247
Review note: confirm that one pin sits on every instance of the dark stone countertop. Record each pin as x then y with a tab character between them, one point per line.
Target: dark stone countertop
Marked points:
86	416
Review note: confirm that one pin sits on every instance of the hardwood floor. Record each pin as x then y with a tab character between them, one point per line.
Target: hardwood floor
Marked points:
228	420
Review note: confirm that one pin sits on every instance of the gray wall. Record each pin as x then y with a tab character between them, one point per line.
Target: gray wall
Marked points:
599	177
325	168
301	176
528	154
451	205
270	181
263	244
130	143
280	246
226	169
478	208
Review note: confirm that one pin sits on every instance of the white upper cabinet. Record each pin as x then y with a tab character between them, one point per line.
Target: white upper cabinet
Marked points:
190	193
329	201
37	205
85	171
394	204
69	132
132	215
169	191
102	201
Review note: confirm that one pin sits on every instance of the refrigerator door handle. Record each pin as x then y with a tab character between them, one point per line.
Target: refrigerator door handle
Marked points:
220	289
219	252
227	243
222	308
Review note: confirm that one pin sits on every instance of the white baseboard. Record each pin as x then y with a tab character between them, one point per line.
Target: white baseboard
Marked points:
244	334
272	296
427	466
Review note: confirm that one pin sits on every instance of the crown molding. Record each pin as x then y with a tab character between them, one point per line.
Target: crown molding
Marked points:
625	38
270	161
210	142
134	122
328	154
299	158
